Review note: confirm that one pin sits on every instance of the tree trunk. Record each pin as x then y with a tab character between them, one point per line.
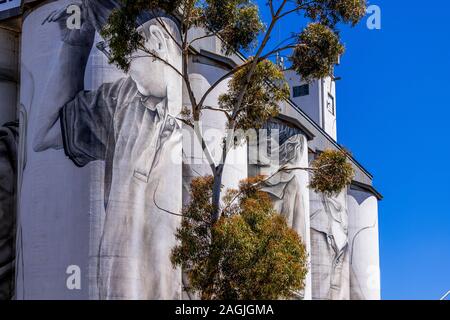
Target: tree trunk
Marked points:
217	192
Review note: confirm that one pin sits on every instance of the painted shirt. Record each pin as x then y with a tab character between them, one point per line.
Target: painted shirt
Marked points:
284	187
138	143
329	242
287	188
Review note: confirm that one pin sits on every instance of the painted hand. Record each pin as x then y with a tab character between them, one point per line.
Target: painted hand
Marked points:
74	32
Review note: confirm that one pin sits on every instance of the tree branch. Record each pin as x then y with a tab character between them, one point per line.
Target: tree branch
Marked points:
217	109
296	9
272	11
219	81
185	54
208	35
152	54
189	124
160	208
198	133
254	62
271	53
257	56
259	183
167	30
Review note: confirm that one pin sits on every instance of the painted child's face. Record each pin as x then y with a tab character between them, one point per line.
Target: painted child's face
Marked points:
149	73
291	151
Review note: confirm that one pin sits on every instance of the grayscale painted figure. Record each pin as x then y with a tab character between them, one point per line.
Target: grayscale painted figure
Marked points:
131	126
288	189
329	247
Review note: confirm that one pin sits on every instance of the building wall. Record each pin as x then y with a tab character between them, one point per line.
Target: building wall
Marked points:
319	104
363	245
329	109
311	103
9	52
344	246
54	194
329	247
9	4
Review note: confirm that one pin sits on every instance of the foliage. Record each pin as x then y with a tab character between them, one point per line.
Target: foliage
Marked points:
237	22
330	12
261	99
318	47
121	32
317	52
250	253
331	172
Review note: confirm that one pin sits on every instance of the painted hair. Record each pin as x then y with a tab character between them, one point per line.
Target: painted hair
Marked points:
98	12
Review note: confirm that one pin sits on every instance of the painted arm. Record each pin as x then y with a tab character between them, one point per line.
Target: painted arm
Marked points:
65	80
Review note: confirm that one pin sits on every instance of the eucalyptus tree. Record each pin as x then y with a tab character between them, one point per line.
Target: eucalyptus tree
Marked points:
250	252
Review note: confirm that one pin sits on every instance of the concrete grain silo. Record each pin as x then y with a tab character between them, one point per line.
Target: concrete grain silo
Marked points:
9	76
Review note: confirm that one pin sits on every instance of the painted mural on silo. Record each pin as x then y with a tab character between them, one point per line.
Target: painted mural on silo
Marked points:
330	264
363	245
8	173
9	48
287	148
9	39
103	148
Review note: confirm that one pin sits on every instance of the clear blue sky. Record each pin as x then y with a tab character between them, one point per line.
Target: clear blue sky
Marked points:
393	108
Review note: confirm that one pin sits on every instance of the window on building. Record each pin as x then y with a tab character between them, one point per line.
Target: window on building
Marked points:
331	105
301	91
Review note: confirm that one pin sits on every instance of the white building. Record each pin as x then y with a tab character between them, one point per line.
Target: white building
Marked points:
317	99
65	230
